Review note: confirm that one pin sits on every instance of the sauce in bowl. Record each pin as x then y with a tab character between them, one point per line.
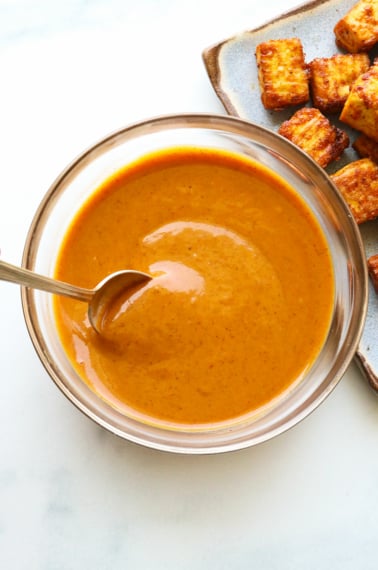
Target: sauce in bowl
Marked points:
242	295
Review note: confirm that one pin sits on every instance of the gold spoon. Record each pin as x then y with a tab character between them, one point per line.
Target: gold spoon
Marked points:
98	299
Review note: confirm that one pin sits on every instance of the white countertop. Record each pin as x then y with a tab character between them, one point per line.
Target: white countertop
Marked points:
73	496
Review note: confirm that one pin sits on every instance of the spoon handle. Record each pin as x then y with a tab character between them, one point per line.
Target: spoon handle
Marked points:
28	278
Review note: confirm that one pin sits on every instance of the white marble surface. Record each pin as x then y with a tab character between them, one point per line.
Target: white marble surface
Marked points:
71	495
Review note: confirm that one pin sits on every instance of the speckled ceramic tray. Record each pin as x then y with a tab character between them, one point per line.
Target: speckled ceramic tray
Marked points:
231	66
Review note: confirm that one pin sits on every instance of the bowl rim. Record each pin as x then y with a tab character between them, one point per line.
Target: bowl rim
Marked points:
188	120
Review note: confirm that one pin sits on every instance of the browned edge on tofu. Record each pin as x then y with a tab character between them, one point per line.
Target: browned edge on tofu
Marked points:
282	73
311	131
358	30
332	77
373	270
361	107
358	184
366	147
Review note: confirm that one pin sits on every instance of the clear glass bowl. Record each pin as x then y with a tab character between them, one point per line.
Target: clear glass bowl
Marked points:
84	174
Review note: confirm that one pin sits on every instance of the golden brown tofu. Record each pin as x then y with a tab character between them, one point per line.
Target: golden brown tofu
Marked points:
373	270
358	30
361	107
331	79
282	72
366	147
309	129
358	184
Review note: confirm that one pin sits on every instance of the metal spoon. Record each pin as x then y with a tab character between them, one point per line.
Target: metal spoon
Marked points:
98	299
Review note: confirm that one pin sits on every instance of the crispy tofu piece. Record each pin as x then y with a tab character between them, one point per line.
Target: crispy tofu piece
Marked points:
358	184
373	270
361	107
309	129
331	79
283	74
358	30
366	147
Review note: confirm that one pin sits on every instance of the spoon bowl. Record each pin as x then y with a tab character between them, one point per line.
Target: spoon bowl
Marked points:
98	299
115	284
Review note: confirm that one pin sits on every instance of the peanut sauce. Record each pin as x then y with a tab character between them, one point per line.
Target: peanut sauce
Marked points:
242	294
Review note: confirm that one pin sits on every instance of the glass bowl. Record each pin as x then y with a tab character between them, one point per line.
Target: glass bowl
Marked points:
85	173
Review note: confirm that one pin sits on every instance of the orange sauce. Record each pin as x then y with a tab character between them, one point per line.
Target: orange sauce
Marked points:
242	295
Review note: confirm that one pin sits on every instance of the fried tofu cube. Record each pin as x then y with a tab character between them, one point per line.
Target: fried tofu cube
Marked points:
366	147
358	30
331	79
309	129
358	184
282	73
373	270
361	107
